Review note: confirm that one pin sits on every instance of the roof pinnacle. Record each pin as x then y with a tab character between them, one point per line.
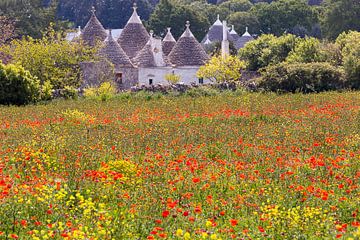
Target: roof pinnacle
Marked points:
187	24
93	10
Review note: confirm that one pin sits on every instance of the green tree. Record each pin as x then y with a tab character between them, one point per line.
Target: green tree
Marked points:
267	50
349	44
285	16
340	16
306	51
31	16
241	20
170	14
236	5
51	58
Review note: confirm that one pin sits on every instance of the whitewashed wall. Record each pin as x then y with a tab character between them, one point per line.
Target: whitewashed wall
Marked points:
187	74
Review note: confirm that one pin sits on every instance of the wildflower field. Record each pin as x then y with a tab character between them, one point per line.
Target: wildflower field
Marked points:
232	166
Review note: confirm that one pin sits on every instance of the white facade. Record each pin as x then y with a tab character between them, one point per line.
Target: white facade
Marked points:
156	75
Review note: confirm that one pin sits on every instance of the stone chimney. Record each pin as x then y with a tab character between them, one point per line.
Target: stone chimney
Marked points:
225	46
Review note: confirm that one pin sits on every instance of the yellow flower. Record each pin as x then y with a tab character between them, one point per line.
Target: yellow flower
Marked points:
179	232
213	237
187	236
208	224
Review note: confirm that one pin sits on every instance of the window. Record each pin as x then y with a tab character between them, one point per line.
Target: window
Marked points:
201	81
119	78
151	81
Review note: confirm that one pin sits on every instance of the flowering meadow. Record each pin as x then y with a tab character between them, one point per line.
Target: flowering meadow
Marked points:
245	166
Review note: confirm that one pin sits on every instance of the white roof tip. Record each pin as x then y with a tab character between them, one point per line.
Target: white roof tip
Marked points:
217	22
246	34
233	30
169	37
207	41
135	17
187	32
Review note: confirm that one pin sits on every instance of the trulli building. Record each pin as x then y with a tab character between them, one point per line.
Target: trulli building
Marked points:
139	58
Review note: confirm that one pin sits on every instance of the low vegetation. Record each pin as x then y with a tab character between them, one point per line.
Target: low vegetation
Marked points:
218	167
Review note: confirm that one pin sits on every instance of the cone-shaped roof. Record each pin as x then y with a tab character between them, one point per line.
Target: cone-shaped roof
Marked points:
145	58
235	37
188	51
246	37
168	42
93	31
134	35
114	53
215	33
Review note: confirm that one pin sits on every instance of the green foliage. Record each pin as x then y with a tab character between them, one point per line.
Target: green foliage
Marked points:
340	16
284	15
202	91
349	44
222	70
302	77
267	50
236	5
17	86
104	92
31	16
51	58
174	15
306	51
69	92
241	20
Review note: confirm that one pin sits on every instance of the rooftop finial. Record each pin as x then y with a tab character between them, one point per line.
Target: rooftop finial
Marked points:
110	32
151	33
187	24
169	29
246	29
134	6
232	27
93	10
218	17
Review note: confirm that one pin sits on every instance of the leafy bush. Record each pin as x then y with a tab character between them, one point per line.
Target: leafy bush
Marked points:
305	51
302	77
51	59
17	86
349	44
69	92
104	92
267	50
202	91
221	70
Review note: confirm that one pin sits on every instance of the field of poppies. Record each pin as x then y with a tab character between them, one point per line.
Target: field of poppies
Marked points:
232	166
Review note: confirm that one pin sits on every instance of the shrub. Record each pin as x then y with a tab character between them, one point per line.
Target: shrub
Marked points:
221	70
50	59
172	78
302	77
17	86
349	44
267	50
69	92
104	92
305	51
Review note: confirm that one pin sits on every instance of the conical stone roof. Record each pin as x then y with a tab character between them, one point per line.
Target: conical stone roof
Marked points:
215	33
188	51
145	58
114	53
134	35
235	37
168	43
93	31
246	37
